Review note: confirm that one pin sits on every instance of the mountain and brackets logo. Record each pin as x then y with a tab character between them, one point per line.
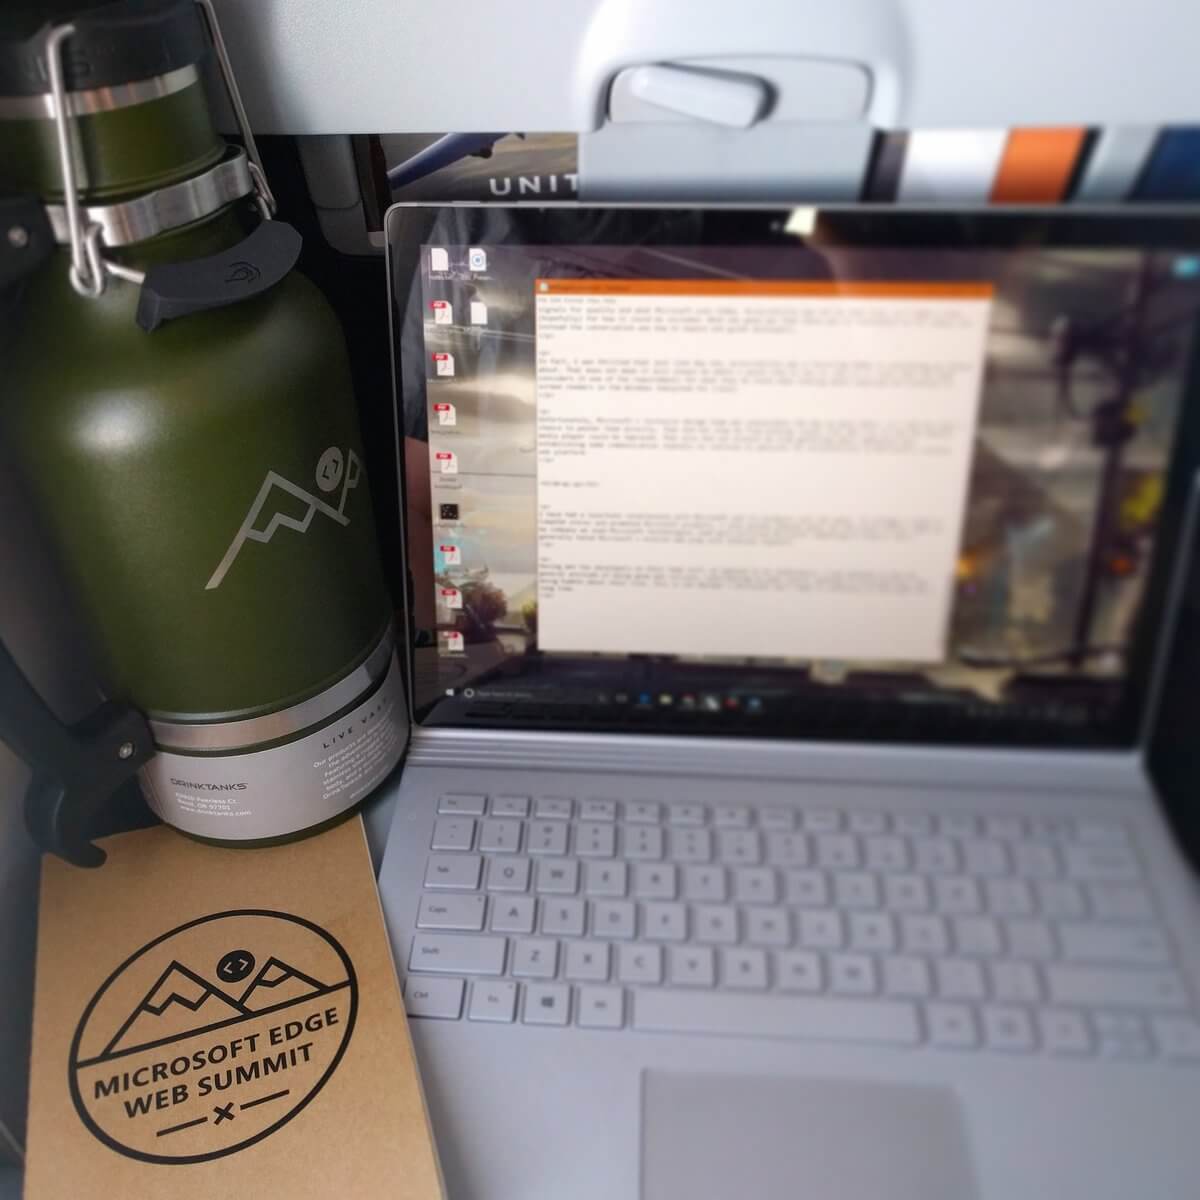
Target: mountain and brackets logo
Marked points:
332	469
213	1036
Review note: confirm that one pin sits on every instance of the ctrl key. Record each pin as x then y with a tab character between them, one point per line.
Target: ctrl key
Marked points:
434	998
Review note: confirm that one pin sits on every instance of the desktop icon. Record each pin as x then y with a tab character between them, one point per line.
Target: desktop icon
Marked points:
448	512
444	364
443	312
451	554
447	462
710	702
478	312
665	699
453	641
451	597
732	703
447	414
687	701
439	259
477	259
754	704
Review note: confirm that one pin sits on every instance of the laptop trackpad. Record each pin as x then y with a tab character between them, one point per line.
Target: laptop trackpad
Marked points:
710	1137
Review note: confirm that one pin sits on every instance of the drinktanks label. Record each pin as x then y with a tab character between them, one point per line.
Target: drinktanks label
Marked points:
271	793
213	1036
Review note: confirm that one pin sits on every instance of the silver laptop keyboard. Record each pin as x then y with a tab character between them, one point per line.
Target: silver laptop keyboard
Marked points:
1006	933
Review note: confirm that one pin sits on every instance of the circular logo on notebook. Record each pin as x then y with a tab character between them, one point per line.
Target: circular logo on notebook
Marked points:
213	1036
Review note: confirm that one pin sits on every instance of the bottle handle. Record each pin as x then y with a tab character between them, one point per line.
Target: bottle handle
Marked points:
255	264
76	768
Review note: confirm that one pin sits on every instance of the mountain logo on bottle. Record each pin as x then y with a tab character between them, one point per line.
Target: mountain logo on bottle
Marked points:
282	504
213	1035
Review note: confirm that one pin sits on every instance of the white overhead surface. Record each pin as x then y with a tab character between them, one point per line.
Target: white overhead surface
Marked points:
357	66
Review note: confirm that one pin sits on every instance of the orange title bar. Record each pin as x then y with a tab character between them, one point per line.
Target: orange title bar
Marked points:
882	290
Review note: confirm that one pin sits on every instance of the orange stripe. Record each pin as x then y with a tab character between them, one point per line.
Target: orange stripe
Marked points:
762	287
1037	165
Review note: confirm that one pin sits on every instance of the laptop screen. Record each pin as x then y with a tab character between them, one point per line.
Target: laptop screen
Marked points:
876	476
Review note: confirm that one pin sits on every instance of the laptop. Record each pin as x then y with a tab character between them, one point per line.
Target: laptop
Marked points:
790	593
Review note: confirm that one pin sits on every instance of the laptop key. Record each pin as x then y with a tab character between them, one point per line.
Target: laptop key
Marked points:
643	842
704	883
535	958
808	889
598	810
1119	902
493	1001
767	927
547	837
685	814
453	833
654	881
693	966
1064	1031
787	849
508	875
1121	1035
906	976
1119	987
595	839
471	806
453	871
587	961
1058	899
606	879
744	969
959	979
555	807
643	811
690	845
500	835
731	816
513	914
457	954
798	971
777	818
439	998
715	923
791	1016
951	1026
600	1008
451	911
1008	1029
851	974
638	963
613	918
563	917
510	806
754	885
1125	945
1178	1038
664	920
558	876
739	847
1101	862
547	1004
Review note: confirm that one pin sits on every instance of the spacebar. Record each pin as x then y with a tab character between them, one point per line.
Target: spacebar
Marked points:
775	1016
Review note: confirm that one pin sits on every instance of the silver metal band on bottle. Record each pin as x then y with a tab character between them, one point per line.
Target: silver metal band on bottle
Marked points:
212	736
164	209
89	101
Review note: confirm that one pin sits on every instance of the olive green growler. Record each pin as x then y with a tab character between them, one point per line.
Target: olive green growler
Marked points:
178	401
